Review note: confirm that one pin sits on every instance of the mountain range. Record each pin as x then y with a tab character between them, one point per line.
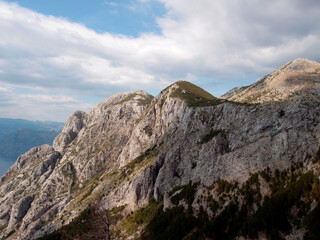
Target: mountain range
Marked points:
181	165
18	135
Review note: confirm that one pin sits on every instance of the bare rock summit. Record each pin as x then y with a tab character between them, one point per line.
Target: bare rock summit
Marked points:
297	80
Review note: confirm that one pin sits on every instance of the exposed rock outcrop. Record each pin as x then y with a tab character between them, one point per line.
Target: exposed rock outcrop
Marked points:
70	131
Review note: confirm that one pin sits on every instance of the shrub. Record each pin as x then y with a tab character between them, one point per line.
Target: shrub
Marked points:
224	186
186	193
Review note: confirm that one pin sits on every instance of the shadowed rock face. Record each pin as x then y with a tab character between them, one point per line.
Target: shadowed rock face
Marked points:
132	146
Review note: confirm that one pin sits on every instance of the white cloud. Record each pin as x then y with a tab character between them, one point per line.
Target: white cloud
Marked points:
200	39
2	89
228	35
37	106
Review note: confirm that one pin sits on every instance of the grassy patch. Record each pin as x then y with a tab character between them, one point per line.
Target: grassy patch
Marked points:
193	95
141	217
139	161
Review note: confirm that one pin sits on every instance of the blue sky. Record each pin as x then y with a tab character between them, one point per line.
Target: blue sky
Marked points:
130	18
60	56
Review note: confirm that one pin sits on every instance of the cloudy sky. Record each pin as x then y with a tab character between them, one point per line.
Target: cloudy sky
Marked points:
63	55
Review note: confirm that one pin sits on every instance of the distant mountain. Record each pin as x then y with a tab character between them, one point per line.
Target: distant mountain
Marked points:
22	140
10	125
19	135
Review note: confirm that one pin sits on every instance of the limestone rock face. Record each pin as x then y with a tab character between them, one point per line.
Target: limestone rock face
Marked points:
21	185
49	177
70	131
108	127
152	125
132	146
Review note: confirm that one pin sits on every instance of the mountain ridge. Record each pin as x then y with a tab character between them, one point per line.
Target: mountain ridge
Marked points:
293	78
136	153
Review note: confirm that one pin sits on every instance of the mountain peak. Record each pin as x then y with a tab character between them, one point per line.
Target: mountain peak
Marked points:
123	97
300	64
298	79
190	93
139	97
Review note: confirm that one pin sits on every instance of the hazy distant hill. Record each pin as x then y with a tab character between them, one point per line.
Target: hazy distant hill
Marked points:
22	140
19	135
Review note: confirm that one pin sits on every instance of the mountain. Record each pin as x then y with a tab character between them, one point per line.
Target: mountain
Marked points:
20	141
19	135
297	80
181	165
233	92
10	125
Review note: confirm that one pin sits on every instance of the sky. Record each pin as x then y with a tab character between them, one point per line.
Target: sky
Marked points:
60	56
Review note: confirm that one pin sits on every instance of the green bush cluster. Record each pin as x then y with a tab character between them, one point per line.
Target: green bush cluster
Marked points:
130	167
76	228
224	186
274	215
312	224
187	192
142	216
172	224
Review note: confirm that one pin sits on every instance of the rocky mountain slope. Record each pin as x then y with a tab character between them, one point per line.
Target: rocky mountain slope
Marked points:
296	80
149	164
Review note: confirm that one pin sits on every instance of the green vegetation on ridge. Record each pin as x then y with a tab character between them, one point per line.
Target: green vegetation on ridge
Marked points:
193	95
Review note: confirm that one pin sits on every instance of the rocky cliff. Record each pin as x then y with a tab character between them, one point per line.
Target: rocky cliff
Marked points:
133	151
